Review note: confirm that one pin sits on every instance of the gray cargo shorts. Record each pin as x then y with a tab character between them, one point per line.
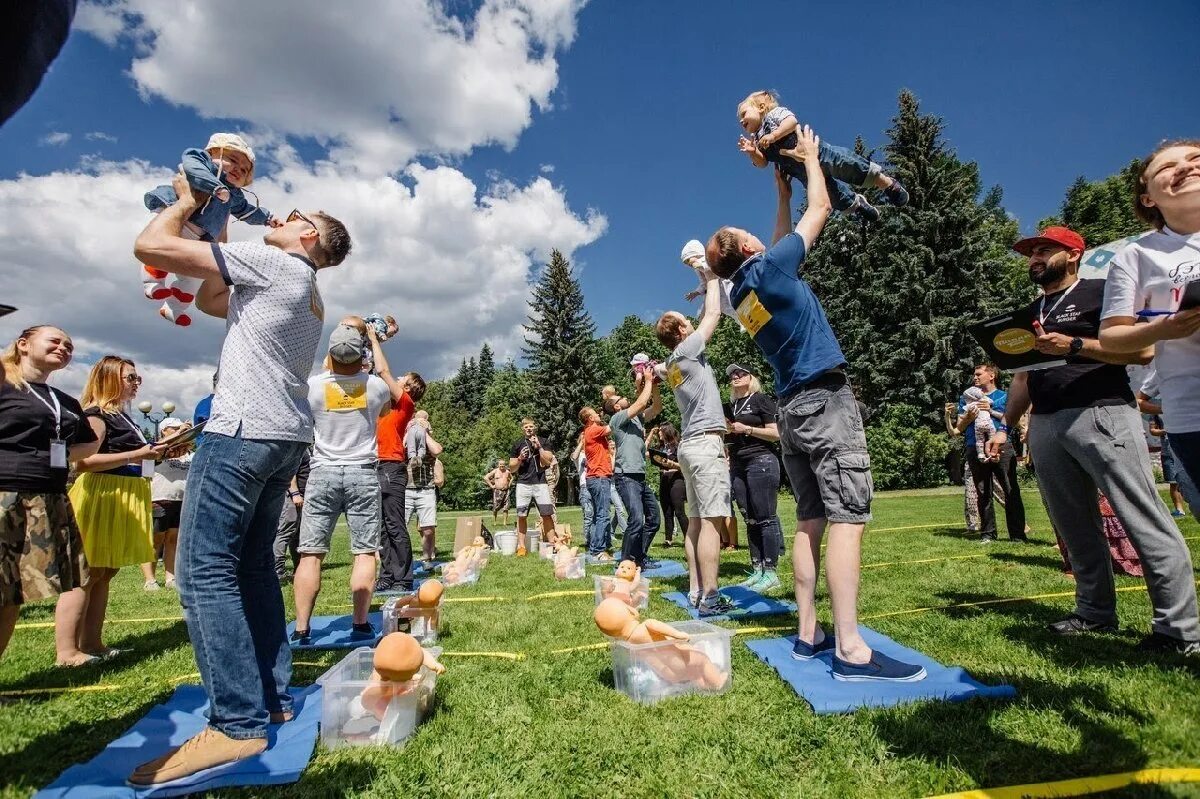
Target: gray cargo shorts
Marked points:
825	451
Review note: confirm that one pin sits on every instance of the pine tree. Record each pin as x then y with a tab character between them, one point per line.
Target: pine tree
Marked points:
900	294
486	367
561	351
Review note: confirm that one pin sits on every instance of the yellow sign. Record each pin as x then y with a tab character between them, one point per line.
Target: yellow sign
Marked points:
752	314
1014	341
345	396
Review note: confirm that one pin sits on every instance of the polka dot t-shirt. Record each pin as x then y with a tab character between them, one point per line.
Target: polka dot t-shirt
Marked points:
271	336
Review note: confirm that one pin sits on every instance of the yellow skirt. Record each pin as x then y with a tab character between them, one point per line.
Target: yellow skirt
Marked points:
115	518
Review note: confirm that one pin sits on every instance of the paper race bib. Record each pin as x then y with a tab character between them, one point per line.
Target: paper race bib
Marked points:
345	396
674	376
752	314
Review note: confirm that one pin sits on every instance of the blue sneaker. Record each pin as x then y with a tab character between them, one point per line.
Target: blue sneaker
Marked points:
880	668
1178	514
803	651
864	209
363	632
754	577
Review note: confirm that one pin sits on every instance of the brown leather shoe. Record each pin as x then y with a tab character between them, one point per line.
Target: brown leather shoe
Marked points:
206	750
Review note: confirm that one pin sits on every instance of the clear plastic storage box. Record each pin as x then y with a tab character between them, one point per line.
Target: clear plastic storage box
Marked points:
546	550
576	569
647	673
423	623
344	722
640	594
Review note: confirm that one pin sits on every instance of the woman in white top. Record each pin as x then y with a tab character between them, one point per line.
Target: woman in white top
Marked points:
166	492
1157	278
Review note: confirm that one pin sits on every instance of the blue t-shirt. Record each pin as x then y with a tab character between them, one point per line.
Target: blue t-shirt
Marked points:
202	412
784	317
999	403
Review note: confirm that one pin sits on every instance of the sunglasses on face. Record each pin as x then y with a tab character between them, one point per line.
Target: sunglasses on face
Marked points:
135	379
295	214
739	375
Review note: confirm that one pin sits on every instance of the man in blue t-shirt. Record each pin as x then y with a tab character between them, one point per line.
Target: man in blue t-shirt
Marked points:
986	471
204	410
820	428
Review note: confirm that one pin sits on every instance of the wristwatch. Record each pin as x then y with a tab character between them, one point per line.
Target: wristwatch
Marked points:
1076	346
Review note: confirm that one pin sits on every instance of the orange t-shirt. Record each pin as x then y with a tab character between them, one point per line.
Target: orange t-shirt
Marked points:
391	429
595	450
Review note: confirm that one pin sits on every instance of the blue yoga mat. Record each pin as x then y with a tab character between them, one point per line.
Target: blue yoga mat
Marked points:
333	632
666	568
813	679
289	748
749	603
420	570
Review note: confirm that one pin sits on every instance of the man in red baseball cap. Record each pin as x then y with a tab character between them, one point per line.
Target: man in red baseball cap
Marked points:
1085	433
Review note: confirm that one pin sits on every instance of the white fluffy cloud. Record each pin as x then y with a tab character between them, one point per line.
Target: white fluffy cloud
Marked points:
376	83
55	139
380	82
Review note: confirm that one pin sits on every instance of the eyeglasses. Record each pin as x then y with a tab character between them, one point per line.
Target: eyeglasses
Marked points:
295	214
135	379
738	375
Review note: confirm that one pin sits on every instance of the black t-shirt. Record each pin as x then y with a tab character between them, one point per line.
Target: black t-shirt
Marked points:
531	471
1080	382
756	410
121	433
26	430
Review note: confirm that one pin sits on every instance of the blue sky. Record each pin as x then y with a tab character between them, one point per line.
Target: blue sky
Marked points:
643	130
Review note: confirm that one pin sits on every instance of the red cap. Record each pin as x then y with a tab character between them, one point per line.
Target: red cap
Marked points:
1062	236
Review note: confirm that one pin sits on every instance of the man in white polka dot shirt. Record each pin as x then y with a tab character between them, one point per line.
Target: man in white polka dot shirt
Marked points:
260	424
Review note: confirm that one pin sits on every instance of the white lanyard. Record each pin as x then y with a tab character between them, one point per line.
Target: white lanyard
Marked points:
137	431
745	404
55	409
1042	312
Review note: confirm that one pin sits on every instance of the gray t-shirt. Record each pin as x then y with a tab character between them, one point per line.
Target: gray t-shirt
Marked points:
696	392
629	436
271	335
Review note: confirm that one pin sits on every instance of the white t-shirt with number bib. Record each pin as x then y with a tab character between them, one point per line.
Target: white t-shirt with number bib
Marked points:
1153	273
346	412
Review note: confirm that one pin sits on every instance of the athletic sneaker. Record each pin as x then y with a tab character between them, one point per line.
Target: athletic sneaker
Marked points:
170	583
1161	642
362	632
382	586
864	209
301	637
693	598
1178	514
1076	624
650	563
896	194
769	581
151	585
754	577
803	651
716	605
880	668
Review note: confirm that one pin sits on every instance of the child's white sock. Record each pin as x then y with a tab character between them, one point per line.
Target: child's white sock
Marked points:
175	312
154	283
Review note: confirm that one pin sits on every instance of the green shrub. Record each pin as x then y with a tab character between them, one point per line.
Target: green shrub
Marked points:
904	452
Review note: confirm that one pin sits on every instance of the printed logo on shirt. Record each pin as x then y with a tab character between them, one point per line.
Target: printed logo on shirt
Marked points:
674	376
752	314
346	396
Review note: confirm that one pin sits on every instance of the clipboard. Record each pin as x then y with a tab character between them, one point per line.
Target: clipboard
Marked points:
182	437
1008	340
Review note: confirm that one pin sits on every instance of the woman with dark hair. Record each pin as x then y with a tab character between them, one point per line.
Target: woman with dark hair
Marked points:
662	446
111	498
754	473
41	431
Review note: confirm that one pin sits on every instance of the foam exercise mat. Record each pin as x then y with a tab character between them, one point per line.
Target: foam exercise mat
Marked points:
666	568
749	603
813	679
333	632
289	748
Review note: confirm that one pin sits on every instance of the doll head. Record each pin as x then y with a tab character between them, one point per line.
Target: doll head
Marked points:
613	617
479	542
626	570
429	593
398	657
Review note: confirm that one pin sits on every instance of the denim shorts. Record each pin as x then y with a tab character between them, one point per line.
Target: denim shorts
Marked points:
705	476
825	451
332	491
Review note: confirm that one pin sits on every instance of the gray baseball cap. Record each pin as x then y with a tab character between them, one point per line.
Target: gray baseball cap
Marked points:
346	345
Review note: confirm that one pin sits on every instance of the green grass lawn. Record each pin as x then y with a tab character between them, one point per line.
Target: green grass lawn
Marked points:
552	725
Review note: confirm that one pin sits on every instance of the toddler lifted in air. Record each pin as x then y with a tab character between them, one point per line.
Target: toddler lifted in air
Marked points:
772	139
984	427
222	170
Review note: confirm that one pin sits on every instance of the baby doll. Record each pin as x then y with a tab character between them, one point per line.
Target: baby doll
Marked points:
693	256
222	170
675	664
985	428
398	662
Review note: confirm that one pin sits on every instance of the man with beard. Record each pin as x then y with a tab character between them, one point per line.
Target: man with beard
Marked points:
1085	433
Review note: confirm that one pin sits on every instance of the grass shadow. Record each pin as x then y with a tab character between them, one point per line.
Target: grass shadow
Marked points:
1047	561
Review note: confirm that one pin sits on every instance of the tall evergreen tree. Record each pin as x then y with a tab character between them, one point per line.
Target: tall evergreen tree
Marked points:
561	350
901	293
486	367
1101	211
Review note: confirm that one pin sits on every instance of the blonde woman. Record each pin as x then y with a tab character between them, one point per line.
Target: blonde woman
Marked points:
111	500
41	431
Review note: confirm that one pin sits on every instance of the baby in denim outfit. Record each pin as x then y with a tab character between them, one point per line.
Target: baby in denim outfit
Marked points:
772	138
222	170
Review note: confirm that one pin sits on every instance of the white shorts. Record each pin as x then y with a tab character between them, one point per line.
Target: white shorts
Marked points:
529	494
705	476
422	502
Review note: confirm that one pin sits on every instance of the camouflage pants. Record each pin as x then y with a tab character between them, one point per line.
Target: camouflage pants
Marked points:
41	551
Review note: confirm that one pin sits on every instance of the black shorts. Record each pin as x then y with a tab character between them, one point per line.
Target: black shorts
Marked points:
166	515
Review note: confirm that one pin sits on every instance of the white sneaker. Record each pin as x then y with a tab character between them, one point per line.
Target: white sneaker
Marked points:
151	585
169	583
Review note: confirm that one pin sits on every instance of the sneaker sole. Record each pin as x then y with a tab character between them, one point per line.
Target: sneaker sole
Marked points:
920	675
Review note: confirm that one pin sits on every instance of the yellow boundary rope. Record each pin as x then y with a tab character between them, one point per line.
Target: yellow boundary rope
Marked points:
1081	786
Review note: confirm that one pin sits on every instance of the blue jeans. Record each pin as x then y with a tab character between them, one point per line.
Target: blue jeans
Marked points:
1185	447
226	577
599	534
843	169
643	516
586	507
619	518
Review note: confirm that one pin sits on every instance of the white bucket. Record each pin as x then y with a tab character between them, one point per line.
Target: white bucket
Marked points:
505	542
